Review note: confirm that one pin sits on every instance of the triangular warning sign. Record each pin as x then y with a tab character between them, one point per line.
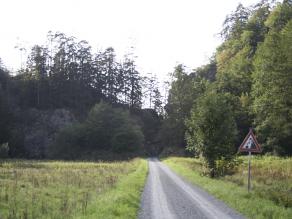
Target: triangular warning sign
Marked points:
250	143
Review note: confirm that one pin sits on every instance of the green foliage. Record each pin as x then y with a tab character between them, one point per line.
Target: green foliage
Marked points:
16	139
66	74
69	143
235	22
151	93
185	89
208	71
105	123
280	15
272	91
234	63
212	129
228	166
150	122
252	67
106	128
128	139
252	70
5	111
177	108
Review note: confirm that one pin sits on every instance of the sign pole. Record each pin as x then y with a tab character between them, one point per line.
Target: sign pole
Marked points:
248	182
250	144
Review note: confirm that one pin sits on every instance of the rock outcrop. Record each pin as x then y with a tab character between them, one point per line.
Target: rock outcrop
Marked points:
41	128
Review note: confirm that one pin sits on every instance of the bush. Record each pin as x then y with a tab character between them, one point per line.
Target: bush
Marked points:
212	130
127	140
227	166
105	129
112	129
69	142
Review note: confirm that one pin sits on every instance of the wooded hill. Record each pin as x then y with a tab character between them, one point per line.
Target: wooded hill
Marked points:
59	88
68	102
247	84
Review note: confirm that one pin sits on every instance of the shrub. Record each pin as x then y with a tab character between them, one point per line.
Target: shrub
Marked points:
68	143
212	130
127	140
106	129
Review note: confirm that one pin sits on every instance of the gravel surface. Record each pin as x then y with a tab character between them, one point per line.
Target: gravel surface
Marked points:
167	196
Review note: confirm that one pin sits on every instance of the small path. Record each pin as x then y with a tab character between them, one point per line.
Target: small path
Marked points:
167	196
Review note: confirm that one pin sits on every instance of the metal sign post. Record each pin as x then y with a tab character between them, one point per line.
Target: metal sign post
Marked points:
248	181
250	144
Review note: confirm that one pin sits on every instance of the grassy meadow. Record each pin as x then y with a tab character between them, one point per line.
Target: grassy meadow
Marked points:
271	195
57	189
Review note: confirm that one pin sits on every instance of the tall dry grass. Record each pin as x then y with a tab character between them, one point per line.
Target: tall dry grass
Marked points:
55	189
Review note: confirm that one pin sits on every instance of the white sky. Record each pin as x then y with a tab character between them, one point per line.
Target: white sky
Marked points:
163	32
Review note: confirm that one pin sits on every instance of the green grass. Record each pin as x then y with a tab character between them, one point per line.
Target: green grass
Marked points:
123	201
56	189
271	180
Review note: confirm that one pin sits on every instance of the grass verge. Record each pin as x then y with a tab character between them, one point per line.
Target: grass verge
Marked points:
57	189
252	205
123	201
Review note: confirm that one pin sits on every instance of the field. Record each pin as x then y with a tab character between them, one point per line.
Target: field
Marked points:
56	189
271	195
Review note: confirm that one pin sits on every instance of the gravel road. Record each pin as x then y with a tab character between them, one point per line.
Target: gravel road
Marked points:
167	196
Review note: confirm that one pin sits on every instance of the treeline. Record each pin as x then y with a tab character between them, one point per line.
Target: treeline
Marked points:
247	84
67	101
66	74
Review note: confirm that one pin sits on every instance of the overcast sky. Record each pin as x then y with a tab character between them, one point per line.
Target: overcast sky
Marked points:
163	32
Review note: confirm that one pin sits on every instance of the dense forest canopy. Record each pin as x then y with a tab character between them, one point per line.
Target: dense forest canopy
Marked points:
250	73
66	101
62	81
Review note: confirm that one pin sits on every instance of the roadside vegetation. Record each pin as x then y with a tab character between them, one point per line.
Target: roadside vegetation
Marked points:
57	189
270	197
247	84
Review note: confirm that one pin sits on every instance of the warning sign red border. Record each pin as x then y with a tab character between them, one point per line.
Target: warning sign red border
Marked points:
258	148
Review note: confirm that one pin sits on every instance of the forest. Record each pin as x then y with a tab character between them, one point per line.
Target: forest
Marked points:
68	102
247	84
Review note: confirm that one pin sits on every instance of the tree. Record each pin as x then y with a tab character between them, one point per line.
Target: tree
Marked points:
180	101
151	123
132	84
157	102
37	69
272	90
184	91
279	16
151	93
235	22
110	71
106	125
212	129
5	112
208	71
234	60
